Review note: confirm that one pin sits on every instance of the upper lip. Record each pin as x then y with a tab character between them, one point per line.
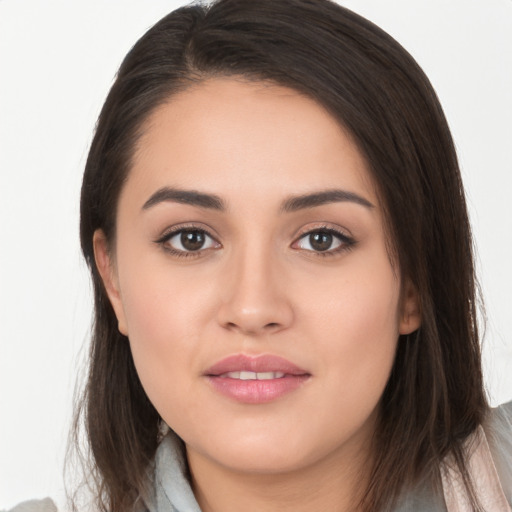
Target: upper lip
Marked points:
257	364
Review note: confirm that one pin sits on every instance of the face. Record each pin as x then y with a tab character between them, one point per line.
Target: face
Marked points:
251	275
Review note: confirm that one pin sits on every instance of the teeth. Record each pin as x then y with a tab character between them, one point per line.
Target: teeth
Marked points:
253	375
269	375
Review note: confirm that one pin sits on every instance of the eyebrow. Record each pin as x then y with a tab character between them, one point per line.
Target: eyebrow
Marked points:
292	204
301	202
190	197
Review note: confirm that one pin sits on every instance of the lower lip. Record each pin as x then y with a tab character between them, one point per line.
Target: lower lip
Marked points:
256	391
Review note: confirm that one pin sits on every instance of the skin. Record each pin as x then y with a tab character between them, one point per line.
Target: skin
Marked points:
258	287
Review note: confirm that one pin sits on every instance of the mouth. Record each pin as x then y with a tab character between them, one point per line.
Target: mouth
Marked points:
244	375
255	380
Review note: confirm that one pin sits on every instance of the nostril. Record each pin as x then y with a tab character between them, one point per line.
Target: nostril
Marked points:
271	326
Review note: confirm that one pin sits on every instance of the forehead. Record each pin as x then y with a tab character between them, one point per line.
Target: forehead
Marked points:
230	135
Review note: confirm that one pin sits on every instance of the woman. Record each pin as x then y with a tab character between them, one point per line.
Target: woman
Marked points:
274	219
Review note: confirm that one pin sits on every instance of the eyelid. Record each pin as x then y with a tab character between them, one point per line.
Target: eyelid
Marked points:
323	226
187	226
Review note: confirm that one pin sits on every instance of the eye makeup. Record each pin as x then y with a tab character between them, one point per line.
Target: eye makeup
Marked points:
192	241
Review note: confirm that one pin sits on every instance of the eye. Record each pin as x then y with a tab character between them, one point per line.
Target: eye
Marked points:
185	242
325	240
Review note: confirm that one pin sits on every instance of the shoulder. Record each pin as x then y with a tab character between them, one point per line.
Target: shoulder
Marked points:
506	410
498	430
46	505
498	427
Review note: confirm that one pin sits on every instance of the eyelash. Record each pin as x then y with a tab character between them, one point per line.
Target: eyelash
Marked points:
176	231
346	243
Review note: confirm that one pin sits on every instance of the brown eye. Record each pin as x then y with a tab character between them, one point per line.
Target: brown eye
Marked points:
192	240
185	241
327	241
320	241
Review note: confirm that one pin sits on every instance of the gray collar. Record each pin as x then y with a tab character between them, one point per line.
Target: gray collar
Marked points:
172	491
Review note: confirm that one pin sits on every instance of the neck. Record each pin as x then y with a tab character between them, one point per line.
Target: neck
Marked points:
333	484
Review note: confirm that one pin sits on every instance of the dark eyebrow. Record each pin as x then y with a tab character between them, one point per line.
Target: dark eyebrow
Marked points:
190	197
292	204
320	198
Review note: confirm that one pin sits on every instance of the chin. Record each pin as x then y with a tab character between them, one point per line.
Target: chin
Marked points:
261	453
263	461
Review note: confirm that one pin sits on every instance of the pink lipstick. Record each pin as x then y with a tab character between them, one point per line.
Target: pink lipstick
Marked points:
255	380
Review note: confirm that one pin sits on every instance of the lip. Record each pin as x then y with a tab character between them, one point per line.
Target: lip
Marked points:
261	363
255	391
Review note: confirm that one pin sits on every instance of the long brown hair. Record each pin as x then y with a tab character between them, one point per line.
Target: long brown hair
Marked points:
434	398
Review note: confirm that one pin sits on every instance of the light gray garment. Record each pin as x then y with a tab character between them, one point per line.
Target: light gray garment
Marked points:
172	492
499	436
45	505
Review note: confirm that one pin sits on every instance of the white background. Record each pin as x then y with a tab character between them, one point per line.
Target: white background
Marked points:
57	61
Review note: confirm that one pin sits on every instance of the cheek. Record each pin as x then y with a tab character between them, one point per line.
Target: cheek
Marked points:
354	323
165	313
161	301
163	337
358	344
361	304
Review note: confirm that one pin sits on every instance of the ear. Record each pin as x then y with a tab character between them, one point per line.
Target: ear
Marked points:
107	270
410	318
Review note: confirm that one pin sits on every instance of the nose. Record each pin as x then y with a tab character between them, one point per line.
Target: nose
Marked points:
254	298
